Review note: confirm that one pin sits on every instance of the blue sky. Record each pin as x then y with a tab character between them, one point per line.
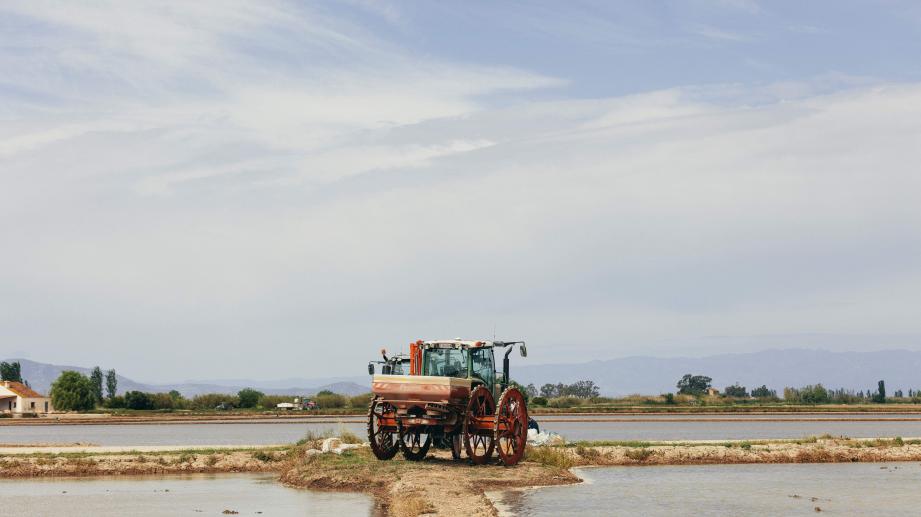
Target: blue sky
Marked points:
183	181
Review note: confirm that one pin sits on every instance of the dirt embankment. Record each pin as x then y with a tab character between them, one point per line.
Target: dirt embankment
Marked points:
139	463
444	487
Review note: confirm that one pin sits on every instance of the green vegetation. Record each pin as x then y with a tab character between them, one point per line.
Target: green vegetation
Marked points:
11	372
249	398
111	383
72	391
694	384
96	378
579	389
549	457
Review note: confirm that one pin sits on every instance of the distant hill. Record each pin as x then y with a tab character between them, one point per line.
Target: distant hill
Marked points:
775	368
41	375
624	376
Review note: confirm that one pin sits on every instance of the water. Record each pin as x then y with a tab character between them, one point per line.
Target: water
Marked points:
171	434
174	495
627	427
751	490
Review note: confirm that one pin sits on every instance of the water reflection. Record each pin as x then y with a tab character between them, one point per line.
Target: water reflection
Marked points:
248	494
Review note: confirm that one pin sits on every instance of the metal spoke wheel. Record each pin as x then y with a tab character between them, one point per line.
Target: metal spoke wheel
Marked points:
511	427
415	442
383	438
478	439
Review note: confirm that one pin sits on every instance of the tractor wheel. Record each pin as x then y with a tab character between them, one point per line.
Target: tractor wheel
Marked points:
415	442
479	442
384	442
511	428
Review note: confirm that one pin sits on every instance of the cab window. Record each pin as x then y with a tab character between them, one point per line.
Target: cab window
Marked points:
483	365
446	362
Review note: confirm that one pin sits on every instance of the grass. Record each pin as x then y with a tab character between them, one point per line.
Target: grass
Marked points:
144	455
641	454
549	457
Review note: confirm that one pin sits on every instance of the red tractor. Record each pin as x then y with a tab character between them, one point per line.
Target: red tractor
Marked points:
449	396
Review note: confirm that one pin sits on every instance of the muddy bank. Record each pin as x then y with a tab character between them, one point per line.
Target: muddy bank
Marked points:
442	486
437	485
142	463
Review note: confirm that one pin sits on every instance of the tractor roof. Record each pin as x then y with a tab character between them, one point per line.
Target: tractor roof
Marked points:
461	343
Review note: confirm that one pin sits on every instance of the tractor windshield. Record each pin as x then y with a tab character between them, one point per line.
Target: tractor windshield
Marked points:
445	362
400	368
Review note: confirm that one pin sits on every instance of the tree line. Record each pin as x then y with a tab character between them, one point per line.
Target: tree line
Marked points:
811	394
73	391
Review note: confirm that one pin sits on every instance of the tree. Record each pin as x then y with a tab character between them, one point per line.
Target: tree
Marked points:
880	395
111	383
138	400
521	388
249	397
693	384
72	391
735	391
96	378
11	371
531	391
548	391
763	392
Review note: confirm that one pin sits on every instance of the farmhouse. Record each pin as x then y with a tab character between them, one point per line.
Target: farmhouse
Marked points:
17	398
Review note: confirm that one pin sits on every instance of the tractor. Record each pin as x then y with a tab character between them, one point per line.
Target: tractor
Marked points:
453	395
394	365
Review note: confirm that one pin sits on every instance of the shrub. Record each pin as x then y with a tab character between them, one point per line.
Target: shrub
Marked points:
212	400
539	401
116	402
361	401
73	391
249	397
564	402
329	400
669	398
549	456
138	400
271	401
641	454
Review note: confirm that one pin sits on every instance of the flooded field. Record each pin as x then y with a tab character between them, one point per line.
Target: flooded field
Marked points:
590	427
751	490
247	494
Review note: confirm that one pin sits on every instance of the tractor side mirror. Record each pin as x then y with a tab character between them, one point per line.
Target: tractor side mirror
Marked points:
523	349
370	368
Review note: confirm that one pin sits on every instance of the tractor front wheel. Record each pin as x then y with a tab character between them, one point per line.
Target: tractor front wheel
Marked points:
511	428
478	438
415	442
384	443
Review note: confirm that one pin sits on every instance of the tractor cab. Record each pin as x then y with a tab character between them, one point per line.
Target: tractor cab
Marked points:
393	365
473	360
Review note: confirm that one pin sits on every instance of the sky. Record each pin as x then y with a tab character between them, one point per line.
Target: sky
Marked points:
278	189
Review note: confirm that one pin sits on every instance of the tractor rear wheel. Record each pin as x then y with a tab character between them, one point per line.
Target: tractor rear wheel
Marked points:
415	442
477	440
384	442
511	428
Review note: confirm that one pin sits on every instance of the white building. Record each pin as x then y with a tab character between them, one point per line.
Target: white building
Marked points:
17	398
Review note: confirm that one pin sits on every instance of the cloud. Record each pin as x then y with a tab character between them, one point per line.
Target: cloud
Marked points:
317	199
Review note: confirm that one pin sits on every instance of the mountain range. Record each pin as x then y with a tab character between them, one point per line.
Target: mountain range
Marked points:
41	375
775	368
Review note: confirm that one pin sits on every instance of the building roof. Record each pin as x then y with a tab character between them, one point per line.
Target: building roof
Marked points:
21	389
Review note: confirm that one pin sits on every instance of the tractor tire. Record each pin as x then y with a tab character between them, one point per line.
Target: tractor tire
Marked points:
478	442
382	440
415	443
511	427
